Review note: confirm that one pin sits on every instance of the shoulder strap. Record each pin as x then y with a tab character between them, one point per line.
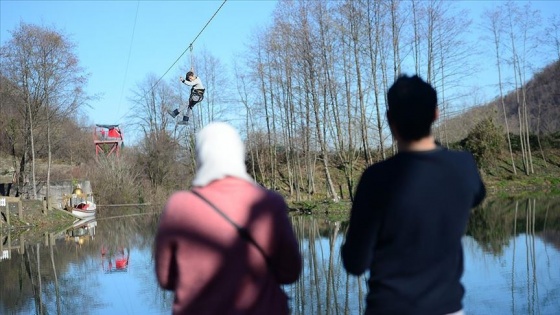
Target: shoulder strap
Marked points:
243	232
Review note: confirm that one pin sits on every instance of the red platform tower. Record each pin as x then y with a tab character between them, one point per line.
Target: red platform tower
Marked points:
108	140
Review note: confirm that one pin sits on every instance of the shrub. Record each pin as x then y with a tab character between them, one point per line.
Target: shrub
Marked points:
485	141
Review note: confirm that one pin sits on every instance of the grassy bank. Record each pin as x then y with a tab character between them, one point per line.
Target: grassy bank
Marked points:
34	218
541	177
499	178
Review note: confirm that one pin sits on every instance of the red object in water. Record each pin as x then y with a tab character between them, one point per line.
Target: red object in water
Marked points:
121	263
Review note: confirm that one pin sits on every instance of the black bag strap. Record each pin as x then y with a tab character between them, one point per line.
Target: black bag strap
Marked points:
243	232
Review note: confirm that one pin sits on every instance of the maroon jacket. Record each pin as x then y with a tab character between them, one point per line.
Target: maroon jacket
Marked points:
211	269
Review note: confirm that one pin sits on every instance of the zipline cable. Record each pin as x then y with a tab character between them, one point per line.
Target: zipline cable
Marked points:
189	47
128	58
192	59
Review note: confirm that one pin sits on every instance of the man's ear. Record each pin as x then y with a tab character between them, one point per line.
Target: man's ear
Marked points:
436	114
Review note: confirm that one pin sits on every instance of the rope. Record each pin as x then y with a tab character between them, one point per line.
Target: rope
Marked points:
126	216
125	205
189	47
192	59
128	58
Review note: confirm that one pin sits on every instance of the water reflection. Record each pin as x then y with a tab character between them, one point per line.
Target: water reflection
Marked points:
324	286
75	270
105	265
114	260
81	231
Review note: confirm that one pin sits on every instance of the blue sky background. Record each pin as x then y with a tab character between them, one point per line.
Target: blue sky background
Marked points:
120	42
108	39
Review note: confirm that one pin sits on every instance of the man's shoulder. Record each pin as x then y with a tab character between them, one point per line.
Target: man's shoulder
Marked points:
273	196
458	154
459	161
379	168
388	162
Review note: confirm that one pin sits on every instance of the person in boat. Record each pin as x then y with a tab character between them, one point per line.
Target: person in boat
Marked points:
411	211
197	94
227	245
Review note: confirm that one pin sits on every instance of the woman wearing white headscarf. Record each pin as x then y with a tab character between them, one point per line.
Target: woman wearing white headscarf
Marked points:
204	258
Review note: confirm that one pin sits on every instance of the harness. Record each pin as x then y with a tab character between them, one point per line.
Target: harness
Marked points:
197	95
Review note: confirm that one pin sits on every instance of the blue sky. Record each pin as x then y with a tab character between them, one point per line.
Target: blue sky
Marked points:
120	42
108	38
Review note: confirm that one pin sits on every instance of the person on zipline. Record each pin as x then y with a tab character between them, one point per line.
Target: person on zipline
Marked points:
197	94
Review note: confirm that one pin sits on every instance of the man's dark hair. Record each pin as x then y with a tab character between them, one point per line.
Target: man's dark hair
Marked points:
412	107
189	74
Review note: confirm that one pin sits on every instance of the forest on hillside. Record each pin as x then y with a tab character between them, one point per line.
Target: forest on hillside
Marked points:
540	96
310	91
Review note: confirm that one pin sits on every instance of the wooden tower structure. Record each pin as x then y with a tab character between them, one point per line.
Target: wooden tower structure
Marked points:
108	140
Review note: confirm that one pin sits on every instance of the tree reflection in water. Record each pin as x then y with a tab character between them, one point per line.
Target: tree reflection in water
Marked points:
512	250
324	286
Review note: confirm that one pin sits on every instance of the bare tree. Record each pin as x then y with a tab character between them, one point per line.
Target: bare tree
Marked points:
316	90
521	25
375	51
257	164
42	64
495	26
552	34
259	98
159	145
354	18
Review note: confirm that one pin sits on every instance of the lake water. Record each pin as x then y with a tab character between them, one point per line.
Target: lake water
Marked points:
106	266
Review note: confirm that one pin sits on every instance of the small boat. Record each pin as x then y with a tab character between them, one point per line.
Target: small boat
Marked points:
80	204
84	209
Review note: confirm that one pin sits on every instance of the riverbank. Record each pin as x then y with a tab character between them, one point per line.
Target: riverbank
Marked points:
521	186
530	186
34	218
501	182
542	176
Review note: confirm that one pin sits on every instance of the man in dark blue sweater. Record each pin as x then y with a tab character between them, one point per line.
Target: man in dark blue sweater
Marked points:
411	211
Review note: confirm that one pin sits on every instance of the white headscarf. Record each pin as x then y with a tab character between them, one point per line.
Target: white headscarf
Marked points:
219	153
